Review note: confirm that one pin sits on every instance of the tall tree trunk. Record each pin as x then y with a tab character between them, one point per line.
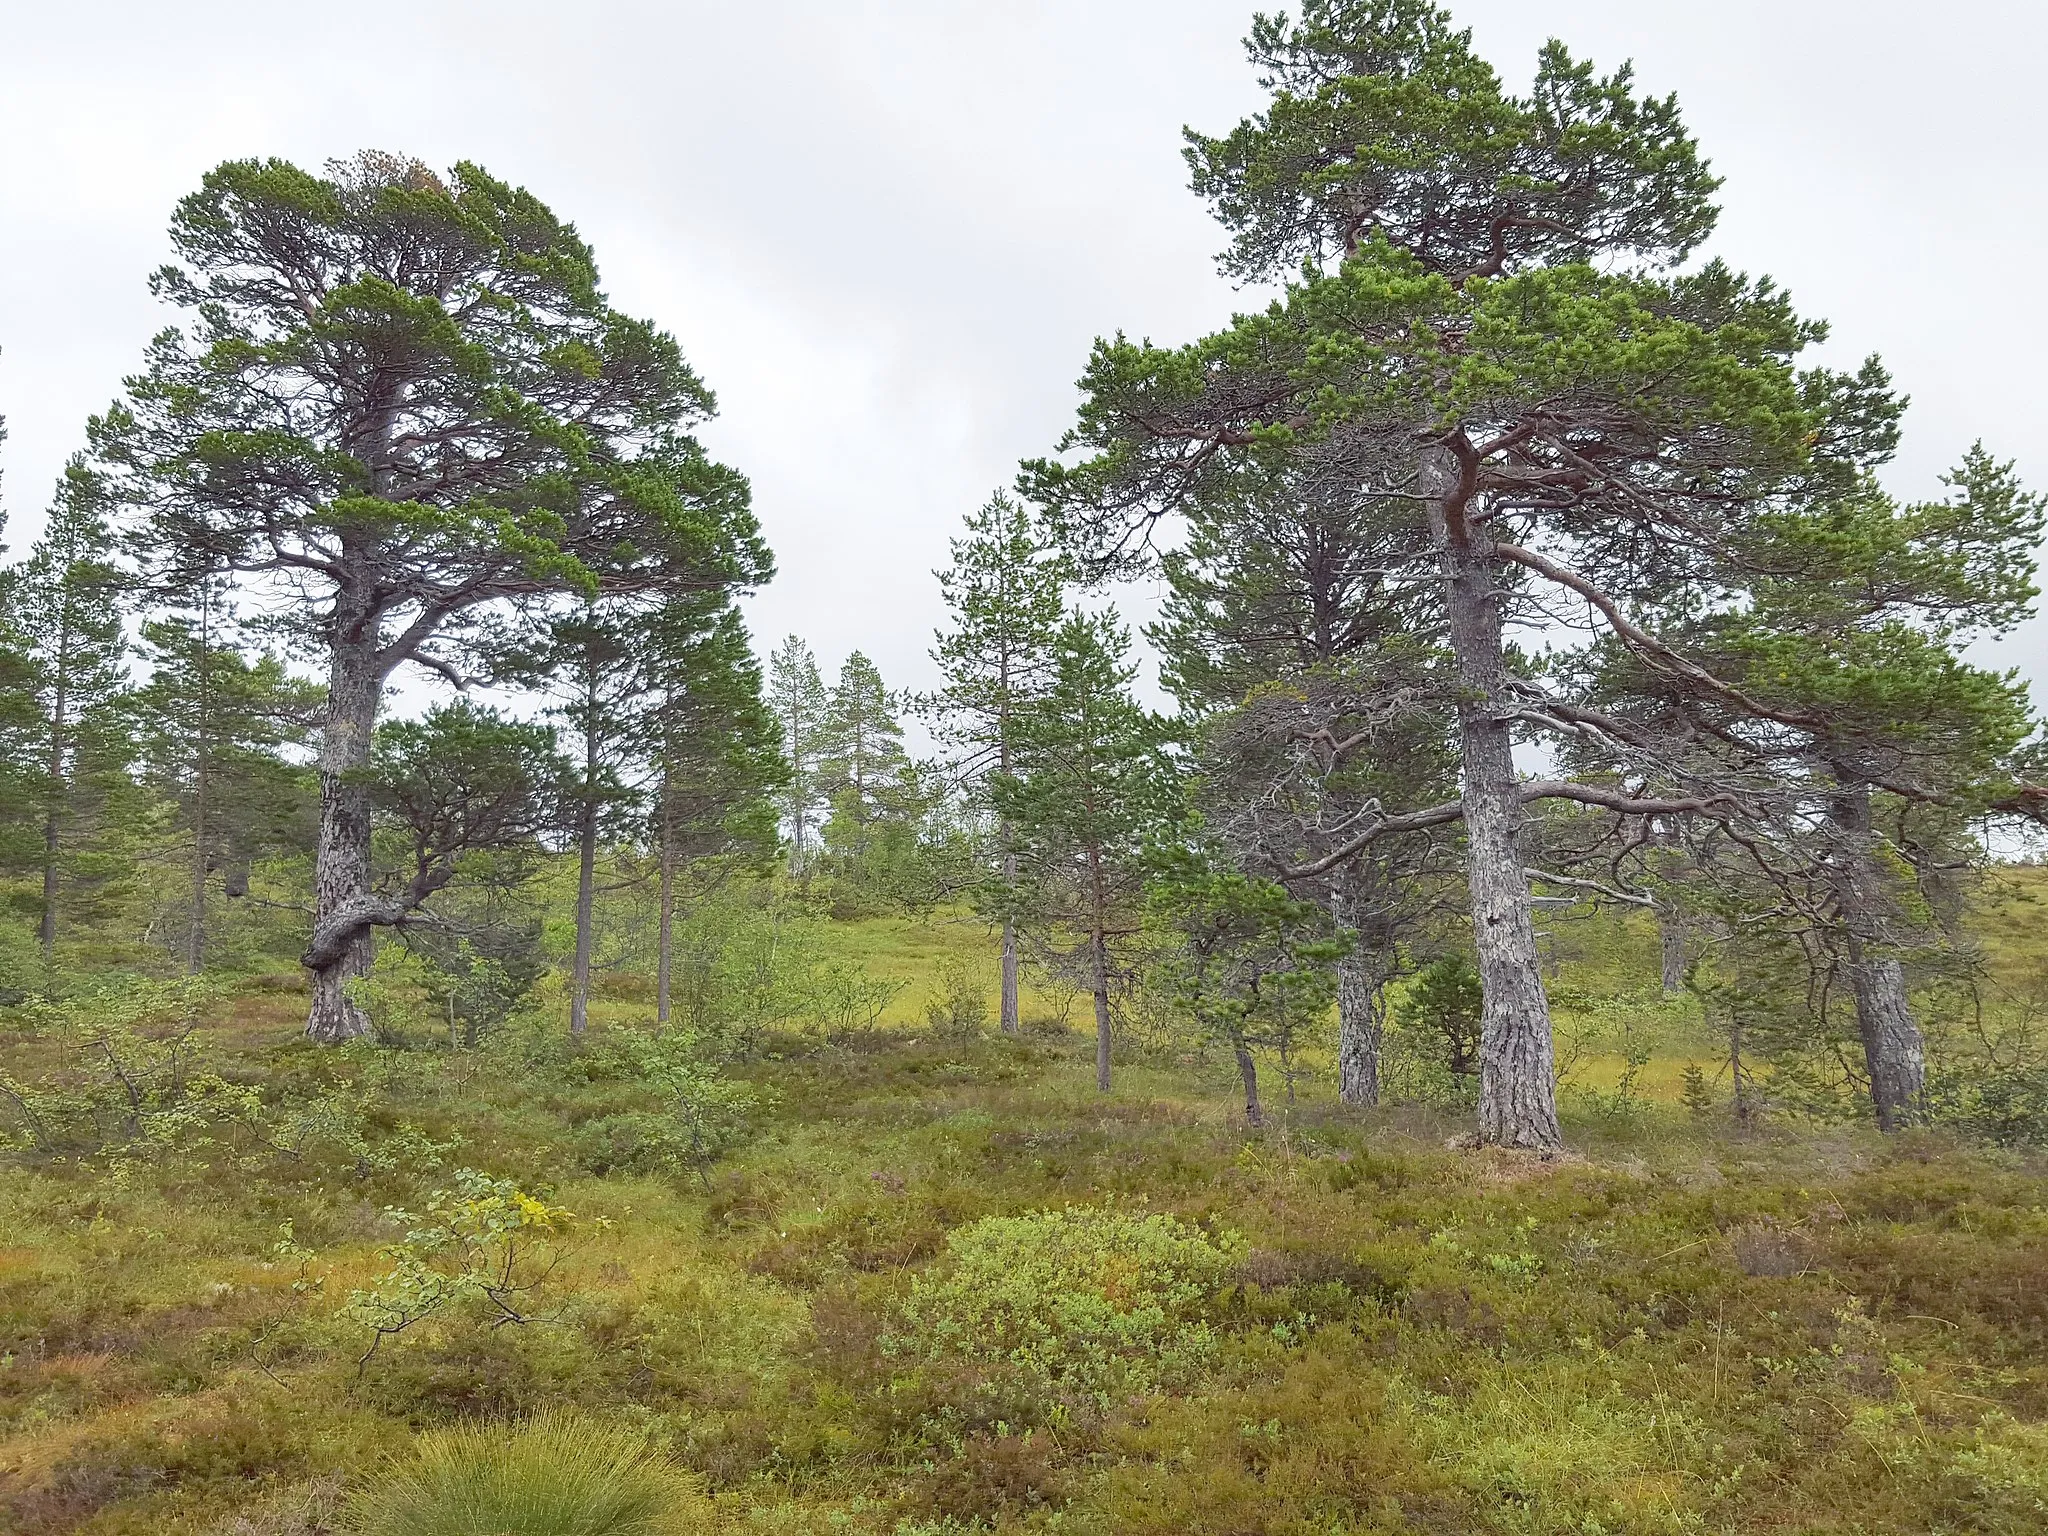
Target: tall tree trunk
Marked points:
55	791
586	883
664	943
1098	906
1671	941
195	941
1517	1081
586	855
341	856
1894	1054
1101	990
1248	1074
1361	1020
1011	1024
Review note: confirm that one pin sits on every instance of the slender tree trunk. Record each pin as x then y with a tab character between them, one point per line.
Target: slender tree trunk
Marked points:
341	857
1101	989
586	883
1671	943
195	941
1894	1054
1099	944
1248	1074
1011	1024
53	823
664	944
1517	1080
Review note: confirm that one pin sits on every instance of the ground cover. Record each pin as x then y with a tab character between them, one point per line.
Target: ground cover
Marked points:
1679	1327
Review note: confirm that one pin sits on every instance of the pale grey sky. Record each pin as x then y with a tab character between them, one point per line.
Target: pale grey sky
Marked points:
886	232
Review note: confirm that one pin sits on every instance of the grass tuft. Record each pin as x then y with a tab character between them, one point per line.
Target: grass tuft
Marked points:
552	1476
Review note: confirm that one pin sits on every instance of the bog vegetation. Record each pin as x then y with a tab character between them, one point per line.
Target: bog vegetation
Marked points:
1549	1034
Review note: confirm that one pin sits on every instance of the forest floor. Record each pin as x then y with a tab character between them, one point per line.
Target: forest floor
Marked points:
1680	1326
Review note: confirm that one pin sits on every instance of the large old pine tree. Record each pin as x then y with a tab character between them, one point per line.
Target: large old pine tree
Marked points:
1480	321
406	414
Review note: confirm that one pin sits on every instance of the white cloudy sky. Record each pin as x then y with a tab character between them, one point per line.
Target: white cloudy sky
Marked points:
886	230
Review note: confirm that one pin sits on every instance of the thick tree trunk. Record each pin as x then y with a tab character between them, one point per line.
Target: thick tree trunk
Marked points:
1894	1054
1671	941
1517	1082
341	857
1361	1019
664	943
1248	1074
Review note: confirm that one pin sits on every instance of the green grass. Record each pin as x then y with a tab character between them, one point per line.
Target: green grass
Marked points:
553	1476
1677	1328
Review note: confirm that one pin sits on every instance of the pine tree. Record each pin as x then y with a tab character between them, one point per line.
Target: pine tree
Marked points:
1320	691
1479	323
68	601
864	773
1006	594
797	695
213	725
591	662
407	403
716	753
1084	790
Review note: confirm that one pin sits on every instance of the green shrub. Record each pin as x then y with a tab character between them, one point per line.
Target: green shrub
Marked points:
554	1476
1088	1302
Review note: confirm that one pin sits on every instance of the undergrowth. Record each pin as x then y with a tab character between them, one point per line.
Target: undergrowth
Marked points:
920	1277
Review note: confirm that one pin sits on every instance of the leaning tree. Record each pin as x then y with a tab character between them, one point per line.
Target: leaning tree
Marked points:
1481	321
404	409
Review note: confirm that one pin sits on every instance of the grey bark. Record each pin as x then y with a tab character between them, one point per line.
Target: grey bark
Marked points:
1248	1074
1894	1054
344	949
1671	943
1011	1024
1361	1021
1517	1081
195	941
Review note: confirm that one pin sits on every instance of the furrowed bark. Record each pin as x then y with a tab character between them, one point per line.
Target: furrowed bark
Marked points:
341	858
1517	1085
1894	1054
1011	1023
1361	1019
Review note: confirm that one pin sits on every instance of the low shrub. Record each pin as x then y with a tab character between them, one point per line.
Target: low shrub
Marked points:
1091	1303
554	1476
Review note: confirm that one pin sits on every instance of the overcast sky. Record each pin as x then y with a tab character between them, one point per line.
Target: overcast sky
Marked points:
886	232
